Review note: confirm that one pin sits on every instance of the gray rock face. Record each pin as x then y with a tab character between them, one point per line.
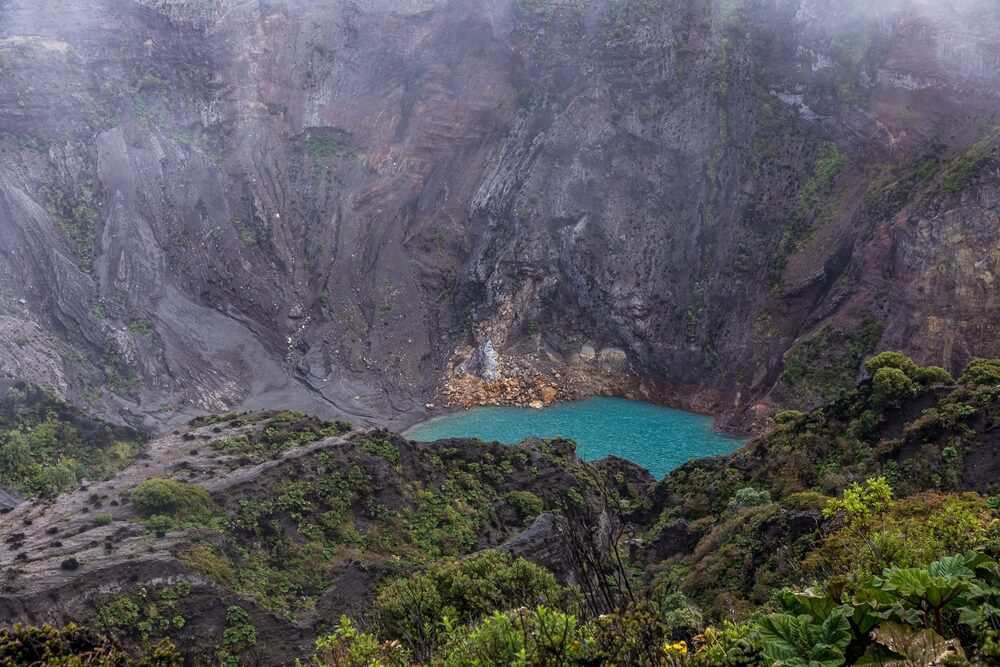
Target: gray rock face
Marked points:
313	204
8	500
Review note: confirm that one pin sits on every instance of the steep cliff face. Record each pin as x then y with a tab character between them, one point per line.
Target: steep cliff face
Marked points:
342	207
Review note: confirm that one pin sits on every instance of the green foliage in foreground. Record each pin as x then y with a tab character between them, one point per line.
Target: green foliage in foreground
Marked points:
491	611
76	646
900	616
412	609
479	612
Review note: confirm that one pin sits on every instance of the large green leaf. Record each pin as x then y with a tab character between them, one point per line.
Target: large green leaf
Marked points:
959	567
921	589
980	604
798	641
817	605
862	617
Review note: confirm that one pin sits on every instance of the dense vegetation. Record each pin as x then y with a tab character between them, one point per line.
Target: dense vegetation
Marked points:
861	533
47	446
864	532
76	646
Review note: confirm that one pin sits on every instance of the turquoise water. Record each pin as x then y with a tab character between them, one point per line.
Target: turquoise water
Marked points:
657	438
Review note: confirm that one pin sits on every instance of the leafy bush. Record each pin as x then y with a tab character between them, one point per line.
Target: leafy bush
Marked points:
981	372
798	641
102	519
931	375
206	560
892	386
860	505
159	524
895	360
749	497
871	531
524	504
412	609
238	635
885	618
168	497
805	500
680	618
729	645
379	447
347	646
788	416
525	638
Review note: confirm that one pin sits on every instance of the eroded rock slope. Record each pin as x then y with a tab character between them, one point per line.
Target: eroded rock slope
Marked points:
348	207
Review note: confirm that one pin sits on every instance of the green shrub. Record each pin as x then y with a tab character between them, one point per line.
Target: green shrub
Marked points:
347	646
205	559
102	519
172	498
749	497
680	618
892	386
159	524
981	372
411	609
805	500
896	360
860	504
379	447
538	637
525	505
930	375
240	634
788	416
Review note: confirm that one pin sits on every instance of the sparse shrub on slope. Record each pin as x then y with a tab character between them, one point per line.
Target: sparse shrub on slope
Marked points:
170	504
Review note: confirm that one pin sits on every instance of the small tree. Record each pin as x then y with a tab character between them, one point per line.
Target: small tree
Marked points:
892	359
861	505
863	509
930	375
892	386
981	372
749	497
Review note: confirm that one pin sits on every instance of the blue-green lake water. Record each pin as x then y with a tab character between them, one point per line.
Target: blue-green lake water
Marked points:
657	438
